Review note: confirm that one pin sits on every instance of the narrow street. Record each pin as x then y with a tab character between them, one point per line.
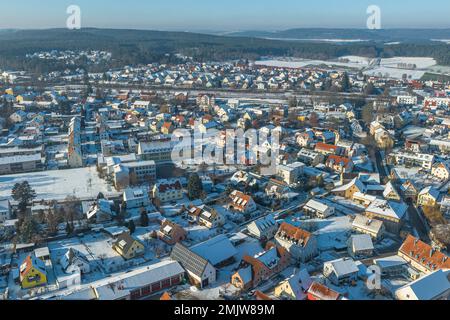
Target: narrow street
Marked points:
417	223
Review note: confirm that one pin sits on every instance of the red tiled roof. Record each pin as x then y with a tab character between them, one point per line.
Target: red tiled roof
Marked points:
424	254
261	296
294	232
168	186
338	160
29	265
326	147
322	292
238	198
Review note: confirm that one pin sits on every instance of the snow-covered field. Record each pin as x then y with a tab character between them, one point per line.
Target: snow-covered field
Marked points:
420	62
388	67
363	61
58	184
395	73
301	63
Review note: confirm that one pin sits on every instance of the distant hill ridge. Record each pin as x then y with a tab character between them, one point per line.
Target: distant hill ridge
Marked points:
146	46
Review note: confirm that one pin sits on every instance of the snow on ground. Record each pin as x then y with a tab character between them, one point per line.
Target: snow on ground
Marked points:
393	285
331	233
364	61
413	131
420	62
358	292
301	63
343	205
395	73
58	184
420	179
198	233
250	247
388	67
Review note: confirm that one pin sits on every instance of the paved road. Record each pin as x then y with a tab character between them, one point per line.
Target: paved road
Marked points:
227	92
380	164
418	224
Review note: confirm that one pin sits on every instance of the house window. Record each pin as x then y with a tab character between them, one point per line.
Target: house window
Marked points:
156	287
175	280
165	283
146	290
135	294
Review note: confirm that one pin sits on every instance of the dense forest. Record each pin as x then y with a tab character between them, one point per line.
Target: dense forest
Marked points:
378	35
131	47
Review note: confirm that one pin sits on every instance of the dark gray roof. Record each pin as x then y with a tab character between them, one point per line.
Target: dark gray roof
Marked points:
189	260
124	241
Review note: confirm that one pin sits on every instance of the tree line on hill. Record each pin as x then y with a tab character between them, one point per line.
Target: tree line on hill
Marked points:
133	47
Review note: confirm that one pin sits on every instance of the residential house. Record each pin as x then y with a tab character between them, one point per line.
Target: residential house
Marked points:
373	227
318	291
422	256
261	267
434	286
392	213
263	228
364	199
310	157
171	233
5	210
241	202
210	218
441	170
328	149
136	198
390	192
391	266
101	211
410	190
306	138
128	246
219	250
318	209
74	261
341	271
167	128
360	246
423	160
428	197
295	287
301	244
276	189
200	271
348	190
32	272
339	164
165	190
290	173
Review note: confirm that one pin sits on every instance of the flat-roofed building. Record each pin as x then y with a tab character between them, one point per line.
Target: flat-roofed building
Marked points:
21	164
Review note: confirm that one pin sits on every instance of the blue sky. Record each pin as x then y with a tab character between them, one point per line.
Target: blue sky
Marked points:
228	15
